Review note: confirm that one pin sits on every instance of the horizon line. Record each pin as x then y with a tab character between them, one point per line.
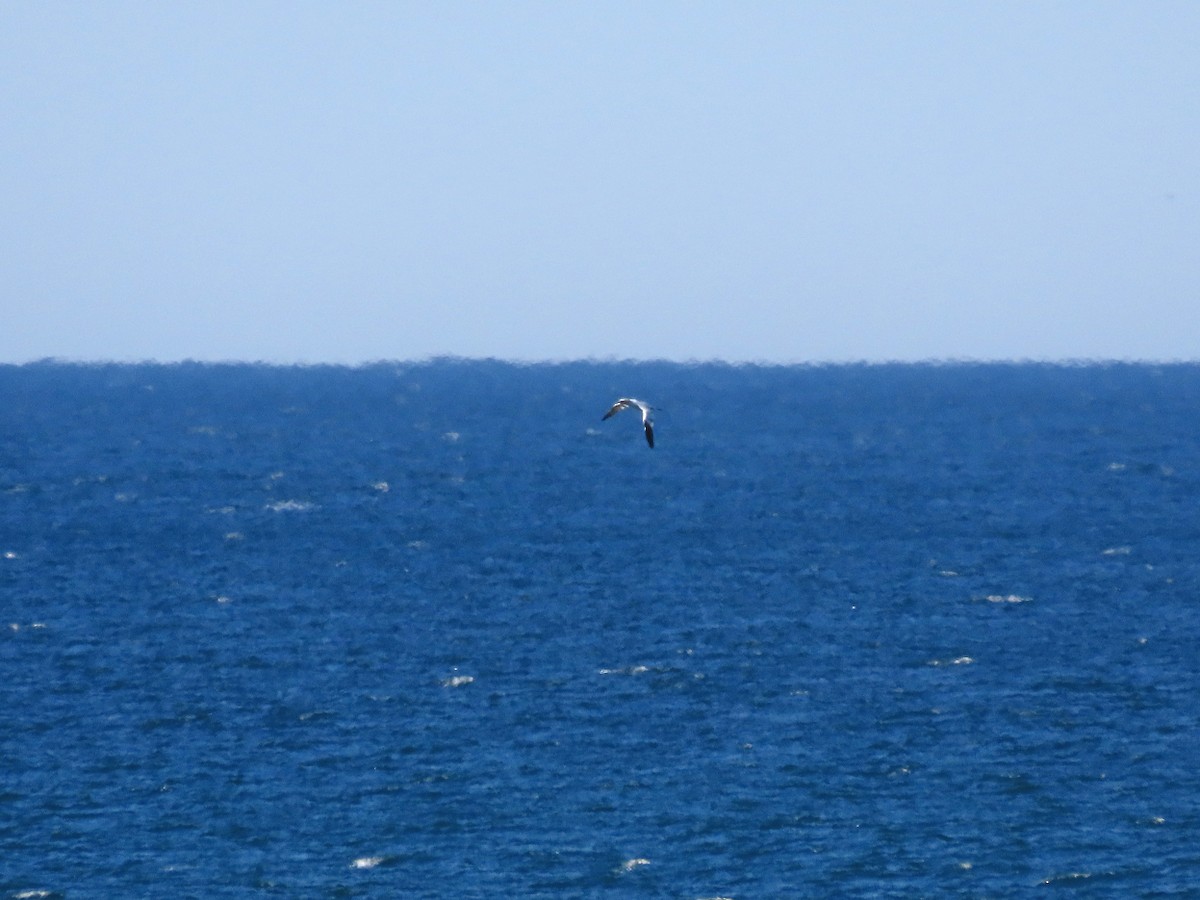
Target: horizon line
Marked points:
610	360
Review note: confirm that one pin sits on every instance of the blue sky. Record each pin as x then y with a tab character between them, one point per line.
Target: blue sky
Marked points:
803	181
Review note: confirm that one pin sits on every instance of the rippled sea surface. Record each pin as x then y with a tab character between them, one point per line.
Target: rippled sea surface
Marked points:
437	631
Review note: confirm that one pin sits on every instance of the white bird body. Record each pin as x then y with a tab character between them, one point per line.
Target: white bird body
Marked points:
647	421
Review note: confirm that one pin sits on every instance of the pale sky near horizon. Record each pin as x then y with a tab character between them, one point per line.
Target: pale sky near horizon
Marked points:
785	182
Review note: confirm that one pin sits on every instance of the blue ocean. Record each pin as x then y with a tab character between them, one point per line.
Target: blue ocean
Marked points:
436	630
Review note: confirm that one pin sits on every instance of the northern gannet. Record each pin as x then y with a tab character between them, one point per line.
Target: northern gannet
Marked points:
647	422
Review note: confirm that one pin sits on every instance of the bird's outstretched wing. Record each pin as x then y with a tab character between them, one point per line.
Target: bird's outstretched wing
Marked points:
623	403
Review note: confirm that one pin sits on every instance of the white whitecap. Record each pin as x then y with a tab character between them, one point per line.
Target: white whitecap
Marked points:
366	862
1006	598
290	506
1068	877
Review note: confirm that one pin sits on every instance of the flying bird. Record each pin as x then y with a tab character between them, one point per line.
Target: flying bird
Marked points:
647	422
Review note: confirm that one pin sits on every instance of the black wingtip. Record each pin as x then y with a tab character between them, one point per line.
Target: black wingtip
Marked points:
649	435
